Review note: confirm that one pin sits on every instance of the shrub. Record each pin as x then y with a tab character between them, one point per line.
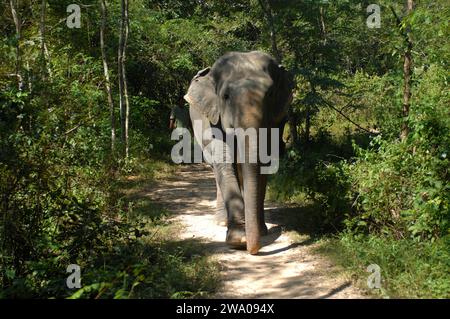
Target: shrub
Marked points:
402	187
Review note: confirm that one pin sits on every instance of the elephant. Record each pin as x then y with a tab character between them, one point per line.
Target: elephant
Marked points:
241	90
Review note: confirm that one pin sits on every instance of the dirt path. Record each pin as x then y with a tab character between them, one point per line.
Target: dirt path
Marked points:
283	268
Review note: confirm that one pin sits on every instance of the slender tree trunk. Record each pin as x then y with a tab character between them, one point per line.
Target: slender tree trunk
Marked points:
42	35
292	120
45	56
18	25
322	23
30	87
106	74
123	88
407	66
307	125
267	9
124	75
120	77
308	115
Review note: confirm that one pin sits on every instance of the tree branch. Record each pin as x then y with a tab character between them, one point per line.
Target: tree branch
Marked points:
73	129
273	38
370	130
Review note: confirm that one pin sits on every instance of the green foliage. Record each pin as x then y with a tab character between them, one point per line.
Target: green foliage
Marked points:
140	270
57	199
316	175
408	269
402	187
60	180
390	197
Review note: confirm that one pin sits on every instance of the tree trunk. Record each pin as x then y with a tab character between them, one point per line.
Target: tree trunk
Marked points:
106	74
273	37
124	75
123	88
18	26
45	56
42	36
120	78
307	125
292	120
322	24
308	115
407	66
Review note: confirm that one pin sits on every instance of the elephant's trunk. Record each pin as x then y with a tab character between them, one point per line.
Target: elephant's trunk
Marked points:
252	232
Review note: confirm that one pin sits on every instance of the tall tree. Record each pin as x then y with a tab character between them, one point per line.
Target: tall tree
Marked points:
18	25
267	10
404	28
407	65
106	74
45	56
123	87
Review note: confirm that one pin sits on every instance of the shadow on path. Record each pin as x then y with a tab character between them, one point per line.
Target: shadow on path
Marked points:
284	268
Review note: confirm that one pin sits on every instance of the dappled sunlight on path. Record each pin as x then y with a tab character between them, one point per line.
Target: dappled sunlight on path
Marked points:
284	268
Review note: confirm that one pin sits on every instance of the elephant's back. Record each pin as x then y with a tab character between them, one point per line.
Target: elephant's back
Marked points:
238	65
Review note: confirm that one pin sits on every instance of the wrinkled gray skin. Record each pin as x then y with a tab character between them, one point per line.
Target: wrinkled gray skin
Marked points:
241	90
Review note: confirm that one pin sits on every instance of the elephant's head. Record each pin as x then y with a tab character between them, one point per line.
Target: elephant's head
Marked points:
244	90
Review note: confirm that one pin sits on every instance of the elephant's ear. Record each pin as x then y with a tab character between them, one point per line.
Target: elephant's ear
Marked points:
282	90
202	95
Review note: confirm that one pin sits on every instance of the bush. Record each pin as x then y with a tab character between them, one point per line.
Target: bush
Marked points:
315	175
402	187
409	269
60	205
58	202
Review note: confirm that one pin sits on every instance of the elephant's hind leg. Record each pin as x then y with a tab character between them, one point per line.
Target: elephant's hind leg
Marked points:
221	212
261	196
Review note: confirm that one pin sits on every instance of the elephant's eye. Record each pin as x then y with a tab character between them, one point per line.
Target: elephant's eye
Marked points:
226	96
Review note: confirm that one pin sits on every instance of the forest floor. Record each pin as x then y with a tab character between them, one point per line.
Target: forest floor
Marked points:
286	266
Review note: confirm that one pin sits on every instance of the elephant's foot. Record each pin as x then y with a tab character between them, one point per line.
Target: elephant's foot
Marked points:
221	218
236	238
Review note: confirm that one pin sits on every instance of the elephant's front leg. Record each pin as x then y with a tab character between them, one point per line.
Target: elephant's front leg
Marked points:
262	180
234	204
